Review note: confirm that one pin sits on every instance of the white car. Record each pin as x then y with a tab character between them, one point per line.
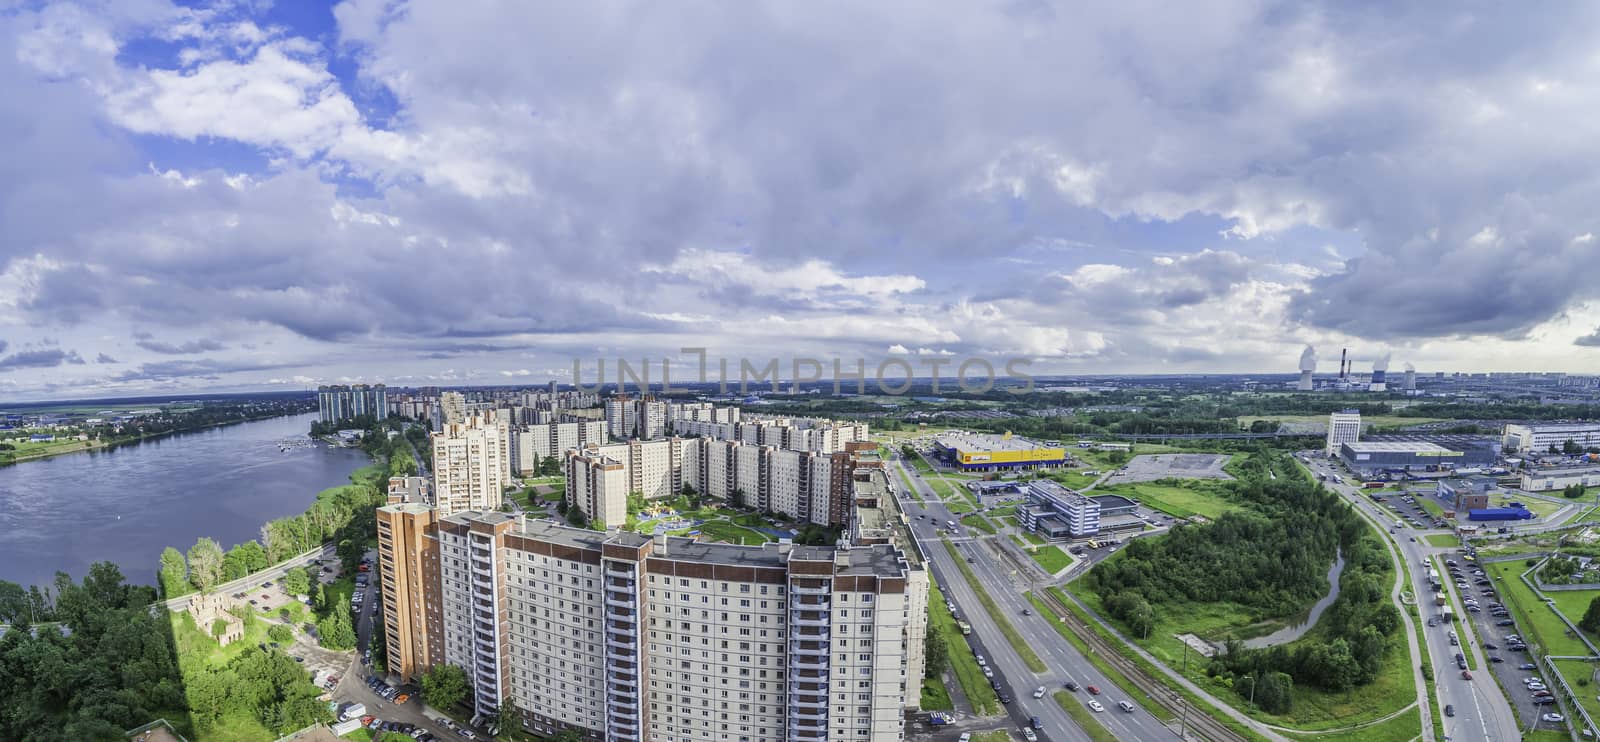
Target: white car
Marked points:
1095	706
1038	692
965	737
1553	718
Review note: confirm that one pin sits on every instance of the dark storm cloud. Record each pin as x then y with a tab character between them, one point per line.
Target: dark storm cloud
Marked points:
1592	340
181	349
39	359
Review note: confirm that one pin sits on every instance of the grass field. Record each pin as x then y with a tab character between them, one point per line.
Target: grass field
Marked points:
1431	506
1444	539
979	522
1023	649
999	735
1535	620
1072	478
1080	713
1385	421
1052	558
962	663
722	530
1401	728
1201	497
1576	671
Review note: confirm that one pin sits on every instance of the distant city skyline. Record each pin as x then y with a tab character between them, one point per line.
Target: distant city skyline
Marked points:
256	197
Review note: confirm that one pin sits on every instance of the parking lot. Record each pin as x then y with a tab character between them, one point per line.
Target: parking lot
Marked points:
1150	467
1503	643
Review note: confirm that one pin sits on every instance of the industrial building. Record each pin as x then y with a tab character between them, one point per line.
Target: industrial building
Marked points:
1466	493
594	632
982	452
1055	512
1538	438
1373	457
1546	480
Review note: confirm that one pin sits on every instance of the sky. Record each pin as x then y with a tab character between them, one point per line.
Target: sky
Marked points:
254	195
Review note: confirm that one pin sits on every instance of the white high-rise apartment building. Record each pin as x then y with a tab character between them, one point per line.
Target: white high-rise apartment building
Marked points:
452	408
631	638
1343	427
469	465
531	444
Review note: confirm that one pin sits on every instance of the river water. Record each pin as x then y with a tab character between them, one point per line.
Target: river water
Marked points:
127	504
1291	633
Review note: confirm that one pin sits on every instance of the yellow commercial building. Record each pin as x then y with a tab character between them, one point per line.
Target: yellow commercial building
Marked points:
982	452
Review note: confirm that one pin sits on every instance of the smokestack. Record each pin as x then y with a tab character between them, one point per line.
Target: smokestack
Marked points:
1380	369
1411	378
1308	366
1342	353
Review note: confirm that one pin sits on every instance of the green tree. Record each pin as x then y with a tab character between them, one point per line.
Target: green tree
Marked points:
174	574
205	564
936	654
297	582
243	559
444	686
1571	448
1591	617
335	631
280	633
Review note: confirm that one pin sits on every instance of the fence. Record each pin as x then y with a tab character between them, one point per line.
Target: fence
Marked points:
163	723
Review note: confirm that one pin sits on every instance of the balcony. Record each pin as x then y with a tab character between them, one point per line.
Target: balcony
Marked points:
616	687
811	602
623	706
613	603
814	619
612	568
482	581
629	646
803	590
819	704
618	664
807	719
811	633
800	663
622	617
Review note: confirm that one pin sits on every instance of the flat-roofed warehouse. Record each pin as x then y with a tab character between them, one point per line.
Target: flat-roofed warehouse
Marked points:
1370	457
984	452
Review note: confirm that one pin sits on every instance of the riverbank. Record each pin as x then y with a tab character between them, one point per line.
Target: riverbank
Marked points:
52	449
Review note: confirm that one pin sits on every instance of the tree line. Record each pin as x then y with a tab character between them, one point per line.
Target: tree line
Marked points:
1271	560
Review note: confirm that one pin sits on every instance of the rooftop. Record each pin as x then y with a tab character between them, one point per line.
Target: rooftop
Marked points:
1395	447
963	441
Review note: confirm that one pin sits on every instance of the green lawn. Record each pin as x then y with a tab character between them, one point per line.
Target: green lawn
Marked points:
962	663
959	506
1086	719
1023	649
1401	728
935	697
979	522
1052	558
1207	498
1576	671
1432	506
999	735
1444	539
1536	621
1074	479
722	530
557	492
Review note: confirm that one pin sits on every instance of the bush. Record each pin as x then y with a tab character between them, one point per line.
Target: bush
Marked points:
281	634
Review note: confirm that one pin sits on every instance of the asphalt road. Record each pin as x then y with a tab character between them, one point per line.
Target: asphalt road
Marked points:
1481	711
1063	661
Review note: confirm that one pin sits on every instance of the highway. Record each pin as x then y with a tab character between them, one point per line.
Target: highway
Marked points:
1064	661
1481	711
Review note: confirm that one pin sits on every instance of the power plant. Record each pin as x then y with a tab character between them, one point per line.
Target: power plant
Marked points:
1411	378
1380	368
1308	366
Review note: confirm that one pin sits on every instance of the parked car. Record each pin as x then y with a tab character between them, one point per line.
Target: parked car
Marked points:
1449	710
1553	718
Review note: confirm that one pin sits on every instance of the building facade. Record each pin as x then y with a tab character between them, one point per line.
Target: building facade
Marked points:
1547	480
983	452
470	465
338	403
630	638
531	444
1540	438
1343	427
1057	512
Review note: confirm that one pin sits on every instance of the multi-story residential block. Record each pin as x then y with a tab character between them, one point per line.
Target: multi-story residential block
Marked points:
806	485
532	444
452	409
803	434
1343	427
338	403
704	412
630	638
469	465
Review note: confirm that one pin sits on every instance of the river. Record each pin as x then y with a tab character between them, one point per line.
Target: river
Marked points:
125	505
1291	633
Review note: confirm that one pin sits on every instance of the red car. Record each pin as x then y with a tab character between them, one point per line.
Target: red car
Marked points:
1466	674
1093	691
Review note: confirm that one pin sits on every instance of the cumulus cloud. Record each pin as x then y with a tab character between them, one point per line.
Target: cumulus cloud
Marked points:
1116	192
49	358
